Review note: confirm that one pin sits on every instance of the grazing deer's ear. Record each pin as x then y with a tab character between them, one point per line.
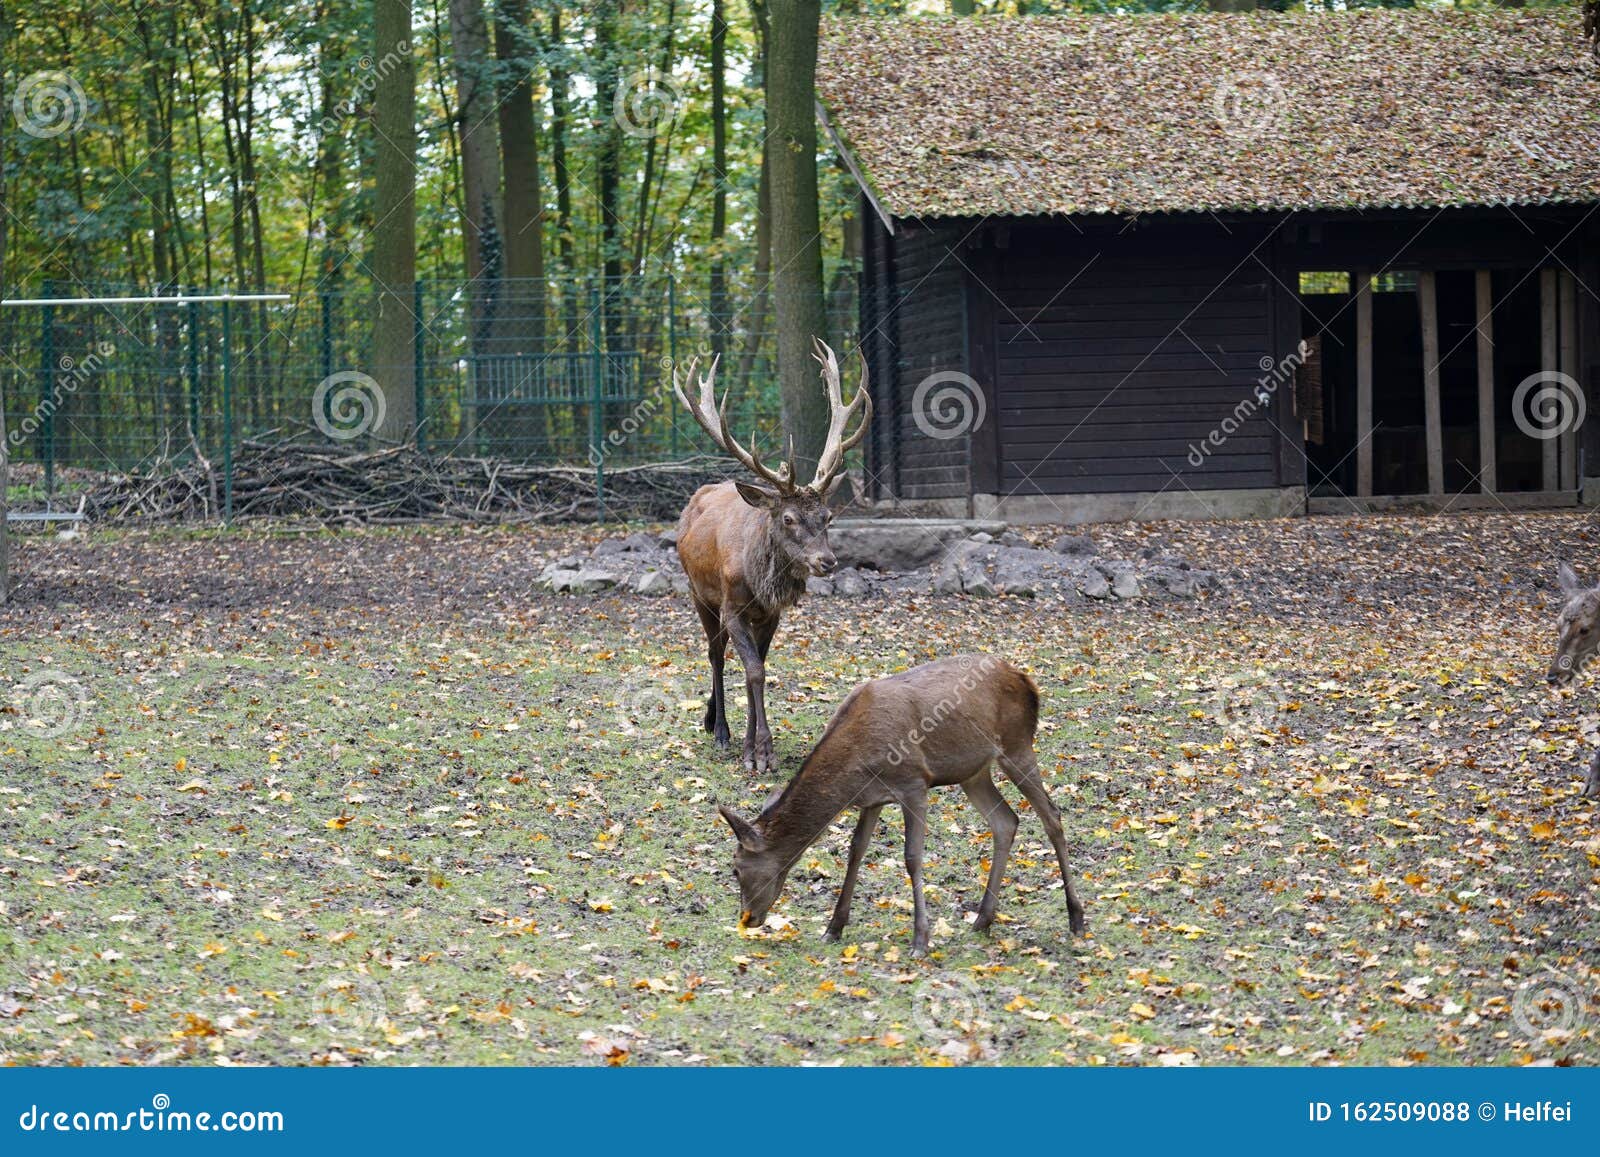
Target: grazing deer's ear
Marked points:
747	835
1568	578
758	496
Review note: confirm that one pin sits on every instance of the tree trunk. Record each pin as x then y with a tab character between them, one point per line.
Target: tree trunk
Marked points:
524	327
560	117
796	229
5	442
755	323
394	229
719	176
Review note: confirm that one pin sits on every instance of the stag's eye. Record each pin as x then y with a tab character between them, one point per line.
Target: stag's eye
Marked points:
789	520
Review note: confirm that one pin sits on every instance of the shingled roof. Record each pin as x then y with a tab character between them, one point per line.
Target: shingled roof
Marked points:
1116	114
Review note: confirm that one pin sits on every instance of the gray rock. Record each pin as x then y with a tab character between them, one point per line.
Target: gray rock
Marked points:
559	581
1022	570
590	580
1093	584
1012	538
667	539
850	583
1074	546
1125	585
819	586
981	537
641	543
901	544
609	547
976	583
571	562
652	582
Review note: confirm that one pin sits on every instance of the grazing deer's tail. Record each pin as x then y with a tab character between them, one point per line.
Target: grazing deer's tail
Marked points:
1030	691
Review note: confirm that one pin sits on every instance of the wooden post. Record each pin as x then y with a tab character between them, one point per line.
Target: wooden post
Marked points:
1363	289
1428	299
1568	310
1487	430
1549	355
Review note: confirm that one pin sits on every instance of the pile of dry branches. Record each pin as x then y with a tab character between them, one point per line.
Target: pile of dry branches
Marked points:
344	486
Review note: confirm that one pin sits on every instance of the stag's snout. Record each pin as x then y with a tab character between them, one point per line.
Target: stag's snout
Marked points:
822	562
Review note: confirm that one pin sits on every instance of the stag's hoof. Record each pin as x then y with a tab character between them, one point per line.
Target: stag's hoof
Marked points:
832	935
1075	922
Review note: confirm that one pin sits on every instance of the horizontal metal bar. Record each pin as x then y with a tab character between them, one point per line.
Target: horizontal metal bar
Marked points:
42	516
146	300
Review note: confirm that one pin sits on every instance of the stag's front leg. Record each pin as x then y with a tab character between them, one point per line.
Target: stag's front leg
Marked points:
757	736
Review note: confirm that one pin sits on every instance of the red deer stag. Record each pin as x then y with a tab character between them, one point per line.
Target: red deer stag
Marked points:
943	723
1579	636
748	547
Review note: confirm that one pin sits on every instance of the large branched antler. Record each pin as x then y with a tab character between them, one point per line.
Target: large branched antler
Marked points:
837	445
713	419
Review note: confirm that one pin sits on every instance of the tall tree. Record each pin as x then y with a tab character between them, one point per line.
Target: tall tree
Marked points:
796	225
519	143
394	228
719	176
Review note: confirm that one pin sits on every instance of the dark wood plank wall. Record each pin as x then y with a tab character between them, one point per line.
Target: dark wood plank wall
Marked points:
1116	352
913	325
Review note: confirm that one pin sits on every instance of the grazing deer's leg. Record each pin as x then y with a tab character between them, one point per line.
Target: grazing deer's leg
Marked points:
915	808
1002	823
1022	769
757	738
865	826
717	650
1591	788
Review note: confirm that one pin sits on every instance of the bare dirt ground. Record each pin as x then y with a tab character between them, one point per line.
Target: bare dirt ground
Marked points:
372	797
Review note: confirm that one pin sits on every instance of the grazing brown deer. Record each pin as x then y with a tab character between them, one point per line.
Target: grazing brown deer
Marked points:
892	739
748	547
1579	636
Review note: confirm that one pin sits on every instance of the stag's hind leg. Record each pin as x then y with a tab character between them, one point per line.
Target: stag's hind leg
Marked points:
717	651
1002	823
1591	786
1022	769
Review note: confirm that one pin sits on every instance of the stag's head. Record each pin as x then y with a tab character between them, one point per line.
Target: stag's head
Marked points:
1578	626
759	869
798	514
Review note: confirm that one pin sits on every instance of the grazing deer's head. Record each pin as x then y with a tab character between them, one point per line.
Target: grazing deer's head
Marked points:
798	516
1578	625
759	869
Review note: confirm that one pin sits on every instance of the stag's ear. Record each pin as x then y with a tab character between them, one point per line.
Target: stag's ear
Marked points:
1568	578
758	496
748	837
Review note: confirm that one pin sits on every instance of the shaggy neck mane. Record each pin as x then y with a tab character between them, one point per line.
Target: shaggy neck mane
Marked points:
769	573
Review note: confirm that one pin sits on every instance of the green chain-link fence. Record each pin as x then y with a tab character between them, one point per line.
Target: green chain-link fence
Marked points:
572	372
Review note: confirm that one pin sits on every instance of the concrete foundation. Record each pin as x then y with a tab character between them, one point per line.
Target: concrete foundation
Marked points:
1075	509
